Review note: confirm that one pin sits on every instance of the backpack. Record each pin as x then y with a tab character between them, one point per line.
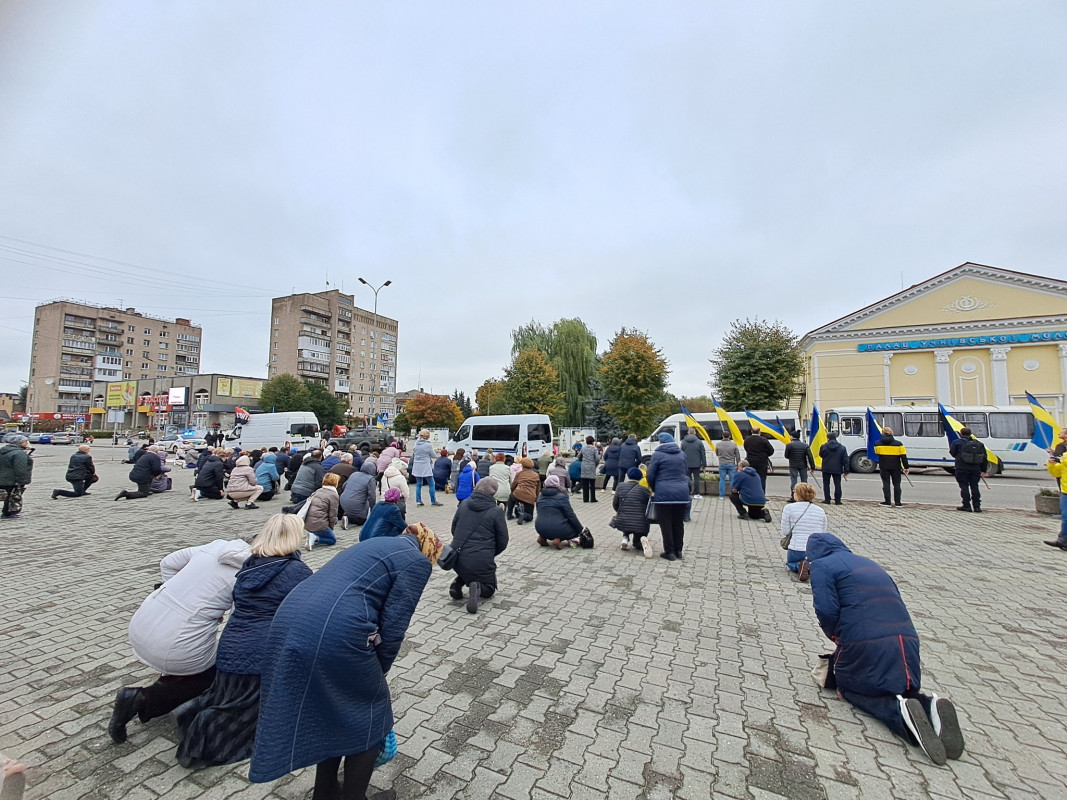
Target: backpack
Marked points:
973	452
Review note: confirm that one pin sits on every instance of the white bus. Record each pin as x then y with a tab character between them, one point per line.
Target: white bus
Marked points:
709	421
519	435
1006	430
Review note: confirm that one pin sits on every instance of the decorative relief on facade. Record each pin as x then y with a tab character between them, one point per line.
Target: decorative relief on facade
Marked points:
886	358
967	303
1030	365
942	356
911	369
998	353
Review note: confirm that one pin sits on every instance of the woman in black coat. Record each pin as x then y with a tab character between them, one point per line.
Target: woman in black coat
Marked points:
480	533
631	505
209	479
611	463
556	520
80	474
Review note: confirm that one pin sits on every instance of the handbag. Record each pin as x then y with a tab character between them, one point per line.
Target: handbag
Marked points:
388	752
585	539
650	511
789	536
448	558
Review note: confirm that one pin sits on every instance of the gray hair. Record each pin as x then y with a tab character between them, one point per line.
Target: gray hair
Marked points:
15	438
742	464
487	486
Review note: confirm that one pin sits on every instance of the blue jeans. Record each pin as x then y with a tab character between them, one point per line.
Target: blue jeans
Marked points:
1063	515
428	480
325	537
726	473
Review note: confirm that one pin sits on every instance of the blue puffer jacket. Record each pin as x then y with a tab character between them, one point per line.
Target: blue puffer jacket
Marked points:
262	583
442	470
746	483
267	471
667	475
385	520
574	470
860	608
629	454
468	477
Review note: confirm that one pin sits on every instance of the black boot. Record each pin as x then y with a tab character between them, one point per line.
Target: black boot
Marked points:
1059	541
127	703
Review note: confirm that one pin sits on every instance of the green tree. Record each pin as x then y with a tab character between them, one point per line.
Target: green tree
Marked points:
463	403
20	403
531	386
401	424
284	393
531	336
597	415
490	397
328	408
701	404
570	348
757	366
634	375
433	411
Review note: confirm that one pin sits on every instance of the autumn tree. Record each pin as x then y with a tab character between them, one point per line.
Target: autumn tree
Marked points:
570	348
432	411
531	386
490	397
701	404
634	374
757	365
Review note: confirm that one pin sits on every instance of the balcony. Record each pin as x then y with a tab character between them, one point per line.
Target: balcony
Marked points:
342	386
325	316
85	324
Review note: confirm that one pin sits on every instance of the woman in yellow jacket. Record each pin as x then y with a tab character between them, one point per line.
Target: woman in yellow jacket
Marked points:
1058	470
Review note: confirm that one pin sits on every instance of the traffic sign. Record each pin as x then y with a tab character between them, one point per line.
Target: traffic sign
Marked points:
79	420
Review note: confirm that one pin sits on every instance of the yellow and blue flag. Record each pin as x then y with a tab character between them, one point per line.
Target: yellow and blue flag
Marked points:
1044	424
816	436
953	427
691	421
777	431
874	433
730	425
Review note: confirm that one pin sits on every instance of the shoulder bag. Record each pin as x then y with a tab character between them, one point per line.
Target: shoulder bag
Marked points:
450	554
789	536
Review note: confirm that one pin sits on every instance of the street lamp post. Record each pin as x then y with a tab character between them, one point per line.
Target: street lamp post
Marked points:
374	382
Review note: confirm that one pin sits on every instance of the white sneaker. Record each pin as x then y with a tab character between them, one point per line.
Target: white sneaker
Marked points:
625	542
647	545
312	538
697	497
921	729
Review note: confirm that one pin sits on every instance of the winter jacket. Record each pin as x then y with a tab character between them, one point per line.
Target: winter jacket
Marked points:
589	458
161	483
500	472
329	463
466	481
384	520
526	486
343	471
956	451
261	585
80	468
611	459
629	454
695	455
747	484
575	471
146	468
242	479
442	471
630	503
323	509
728	453
176	628
668	475
555	517
267	472
891	455
834	457
308	477
422	459
360	492
203	457
281	461
210	476
758	451
860	608
16	465
295	460
799	455
480	533
1059	470
803	519
386	458
563	475
131	453
395	477
544	462
483	466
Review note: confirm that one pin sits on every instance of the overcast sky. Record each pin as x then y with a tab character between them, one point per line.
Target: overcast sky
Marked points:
664	166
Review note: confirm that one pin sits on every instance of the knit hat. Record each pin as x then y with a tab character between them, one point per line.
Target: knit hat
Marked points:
393	495
832	435
14	438
634	474
560	462
243	461
552	482
665	437
487	486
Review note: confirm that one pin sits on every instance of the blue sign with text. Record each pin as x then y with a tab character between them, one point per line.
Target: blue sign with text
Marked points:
967	341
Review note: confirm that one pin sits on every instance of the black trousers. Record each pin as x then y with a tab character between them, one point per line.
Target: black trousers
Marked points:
894	476
526	510
358	770
79	489
826	476
588	490
143	490
694	480
753	512
170	691
670	516
886	709
970	481
761	470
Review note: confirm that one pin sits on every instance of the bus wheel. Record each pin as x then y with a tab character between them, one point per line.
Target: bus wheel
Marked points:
995	469
860	463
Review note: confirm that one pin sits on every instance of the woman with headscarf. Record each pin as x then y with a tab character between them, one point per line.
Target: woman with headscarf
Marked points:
668	478
556	521
499	471
525	488
385	518
480	534
396	477
359	495
559	469
243	484
324	696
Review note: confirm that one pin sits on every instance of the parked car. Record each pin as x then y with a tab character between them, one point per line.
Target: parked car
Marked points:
62	438
175	441
40	438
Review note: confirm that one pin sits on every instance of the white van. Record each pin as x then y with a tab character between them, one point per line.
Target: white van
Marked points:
300	429
520	435
675	425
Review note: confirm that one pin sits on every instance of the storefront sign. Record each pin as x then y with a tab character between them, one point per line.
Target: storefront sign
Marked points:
121	394
967	341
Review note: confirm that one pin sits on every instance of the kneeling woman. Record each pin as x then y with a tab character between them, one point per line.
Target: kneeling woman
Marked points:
480	534
385	518
800	519
324	694
556	520
219	726
323	509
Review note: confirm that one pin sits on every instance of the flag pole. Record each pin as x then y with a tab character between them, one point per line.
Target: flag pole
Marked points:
909	479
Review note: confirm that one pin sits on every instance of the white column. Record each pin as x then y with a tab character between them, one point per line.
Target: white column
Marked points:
944	377
886	358
998	358
1063	381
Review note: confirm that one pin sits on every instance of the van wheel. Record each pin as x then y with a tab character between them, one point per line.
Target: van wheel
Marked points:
860	463
995	469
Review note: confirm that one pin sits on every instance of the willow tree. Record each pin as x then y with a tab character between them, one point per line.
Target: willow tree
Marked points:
570	347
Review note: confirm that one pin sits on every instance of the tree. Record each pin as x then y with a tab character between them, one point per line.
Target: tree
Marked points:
285	393
597	415
433	411
531	386
634	375
463	403
570	348
401	423
490	397
701	404
757	365
328	408
20	403
531	336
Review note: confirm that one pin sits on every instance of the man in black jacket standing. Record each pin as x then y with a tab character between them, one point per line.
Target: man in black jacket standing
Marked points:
834	457
758	452
800	461
892	462
972	461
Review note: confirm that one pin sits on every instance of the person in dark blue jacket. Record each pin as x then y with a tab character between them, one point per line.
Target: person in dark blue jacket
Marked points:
746	493
210	479
385	518
556	523
442	471
629	455
480	534
574	472
876	664
668	477
834	457
468	477
145	468
219	726
612	454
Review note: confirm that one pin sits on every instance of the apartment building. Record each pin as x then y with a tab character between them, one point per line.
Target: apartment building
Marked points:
324	337
75	344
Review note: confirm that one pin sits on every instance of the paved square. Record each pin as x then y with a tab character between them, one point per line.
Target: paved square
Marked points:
591	673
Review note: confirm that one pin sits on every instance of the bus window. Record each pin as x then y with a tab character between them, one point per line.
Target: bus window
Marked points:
538	432
851	426
665	429
1011	426
832	421
976	421
496	433
924	424
890	419
308	429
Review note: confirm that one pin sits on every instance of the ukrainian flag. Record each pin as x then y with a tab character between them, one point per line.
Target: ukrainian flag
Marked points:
691	421
816	436
952	428
777	431
1044	424
874	433
729	424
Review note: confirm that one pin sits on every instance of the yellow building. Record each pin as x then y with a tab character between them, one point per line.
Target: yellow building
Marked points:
974	335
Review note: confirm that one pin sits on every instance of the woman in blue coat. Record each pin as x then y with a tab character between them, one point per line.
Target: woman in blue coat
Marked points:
267	475
468	477
611	463
668	477
219	726
333	640
442	471
385	518
876	665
